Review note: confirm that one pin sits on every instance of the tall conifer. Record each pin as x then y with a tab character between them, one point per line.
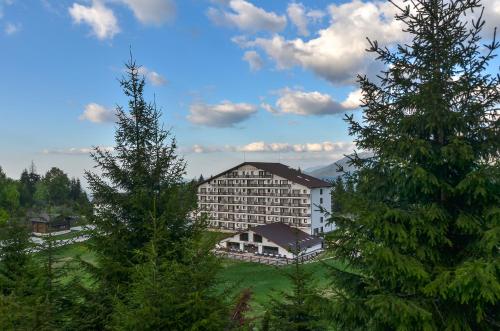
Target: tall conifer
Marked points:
421	232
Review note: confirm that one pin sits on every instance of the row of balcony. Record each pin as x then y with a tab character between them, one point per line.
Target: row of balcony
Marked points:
257	194
259	212
251	185
257	222
258	203
247	176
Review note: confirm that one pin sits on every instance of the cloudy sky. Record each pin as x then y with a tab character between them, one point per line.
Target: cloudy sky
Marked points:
261	80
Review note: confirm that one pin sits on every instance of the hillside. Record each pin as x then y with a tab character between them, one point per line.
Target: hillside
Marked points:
329	172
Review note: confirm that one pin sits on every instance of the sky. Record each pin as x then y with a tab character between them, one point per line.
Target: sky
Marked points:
235	79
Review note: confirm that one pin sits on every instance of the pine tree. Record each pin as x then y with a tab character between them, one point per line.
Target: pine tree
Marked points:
421	231
53	296
143	168
167	294
297	310
29	179
19	272
9	197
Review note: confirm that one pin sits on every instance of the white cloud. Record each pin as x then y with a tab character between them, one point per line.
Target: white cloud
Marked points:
491	16
11	28
315	15
199	149
247	17
353	100
155	12
298	16
338	52
269	108
97	114
311	103
152	76
302	16
77	151
254	60
274	147
222	115
100	18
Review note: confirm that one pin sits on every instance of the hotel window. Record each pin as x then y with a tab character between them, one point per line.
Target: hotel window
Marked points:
320	191
320	200
321	219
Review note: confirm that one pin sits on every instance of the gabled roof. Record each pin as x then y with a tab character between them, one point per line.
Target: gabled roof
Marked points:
286	236
281	170
53	219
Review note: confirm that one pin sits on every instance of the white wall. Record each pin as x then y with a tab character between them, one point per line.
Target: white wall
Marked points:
265	242
316	214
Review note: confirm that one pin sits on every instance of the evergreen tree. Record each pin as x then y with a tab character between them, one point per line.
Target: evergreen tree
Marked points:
9	197
421	230
143	168
168	294
299	310
18	274
54	297
28	182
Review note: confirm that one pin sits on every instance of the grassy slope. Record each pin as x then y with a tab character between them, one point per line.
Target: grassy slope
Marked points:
265	280
235	276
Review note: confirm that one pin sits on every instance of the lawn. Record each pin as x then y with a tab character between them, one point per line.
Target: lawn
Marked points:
266	281
263	280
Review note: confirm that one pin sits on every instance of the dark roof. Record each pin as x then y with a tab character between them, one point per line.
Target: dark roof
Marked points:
286	236
54	219
281	170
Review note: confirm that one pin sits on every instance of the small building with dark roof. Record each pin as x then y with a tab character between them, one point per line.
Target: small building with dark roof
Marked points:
44	223
273	240
256	193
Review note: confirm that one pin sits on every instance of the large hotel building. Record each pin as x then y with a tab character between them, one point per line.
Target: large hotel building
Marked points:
256	193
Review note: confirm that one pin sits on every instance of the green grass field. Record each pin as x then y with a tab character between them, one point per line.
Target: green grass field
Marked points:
263	280
266	281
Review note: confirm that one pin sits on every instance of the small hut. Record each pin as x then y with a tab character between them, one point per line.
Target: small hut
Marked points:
45	223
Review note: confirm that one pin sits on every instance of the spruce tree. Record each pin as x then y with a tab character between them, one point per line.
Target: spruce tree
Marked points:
173	294
29	179
142	176
421	231
300	309
21	294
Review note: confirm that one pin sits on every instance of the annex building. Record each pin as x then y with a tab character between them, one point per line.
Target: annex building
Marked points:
275	240
256	193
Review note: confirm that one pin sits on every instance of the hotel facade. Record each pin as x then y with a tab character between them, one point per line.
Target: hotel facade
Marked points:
257	193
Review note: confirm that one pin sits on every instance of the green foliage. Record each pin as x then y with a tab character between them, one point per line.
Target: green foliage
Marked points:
57	185
301	309
167	294
421	228
141	182
9	196
27	184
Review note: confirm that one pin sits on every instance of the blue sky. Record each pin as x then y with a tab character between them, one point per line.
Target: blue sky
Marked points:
261	80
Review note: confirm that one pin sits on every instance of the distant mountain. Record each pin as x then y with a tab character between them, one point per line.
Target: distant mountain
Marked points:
330	172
